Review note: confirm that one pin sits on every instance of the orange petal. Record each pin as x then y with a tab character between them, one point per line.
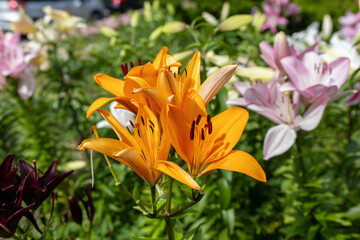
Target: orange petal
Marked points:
98	103
120	131
214	83
191	77
160	58
193	105
110	84
238	161
131	158
177	127
154	95
176	172
228	127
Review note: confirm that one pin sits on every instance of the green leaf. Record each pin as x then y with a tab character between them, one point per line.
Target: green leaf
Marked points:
354	212
224	192
136	194
229	219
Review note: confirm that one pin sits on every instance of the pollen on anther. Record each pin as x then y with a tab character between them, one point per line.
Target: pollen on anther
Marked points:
198	119
192	130
202	134
139	62
208	118
131	64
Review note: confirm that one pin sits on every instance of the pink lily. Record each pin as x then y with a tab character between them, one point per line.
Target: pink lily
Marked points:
273	55
282	109
312	77
350	24
15	63
273	18
355	97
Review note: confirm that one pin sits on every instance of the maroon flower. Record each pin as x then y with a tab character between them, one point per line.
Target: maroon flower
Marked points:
37	188
11	193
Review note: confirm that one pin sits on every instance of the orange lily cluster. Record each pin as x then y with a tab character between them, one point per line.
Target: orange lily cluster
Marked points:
171	110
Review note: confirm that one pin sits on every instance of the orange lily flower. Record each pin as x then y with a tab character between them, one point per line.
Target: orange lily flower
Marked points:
140	151
140	76
170	83
155	82
206	143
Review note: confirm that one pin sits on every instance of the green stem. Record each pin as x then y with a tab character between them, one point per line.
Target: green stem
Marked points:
169	228
301	161
180	210
168	198
153	197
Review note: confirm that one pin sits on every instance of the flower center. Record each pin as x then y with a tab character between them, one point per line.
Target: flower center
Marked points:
201	131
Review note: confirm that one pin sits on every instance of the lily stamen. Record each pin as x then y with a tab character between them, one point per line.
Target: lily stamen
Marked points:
198	119
192	130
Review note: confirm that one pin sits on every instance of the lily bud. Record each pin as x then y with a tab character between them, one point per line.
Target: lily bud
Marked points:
108	32
281	48
75	210
235	22
327	26
225	11
210	19
214	83
259	73
173	27
258	22
134	20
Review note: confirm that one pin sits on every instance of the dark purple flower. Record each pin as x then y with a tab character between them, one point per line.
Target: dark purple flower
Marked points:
37	188
11	192
75	209
87	201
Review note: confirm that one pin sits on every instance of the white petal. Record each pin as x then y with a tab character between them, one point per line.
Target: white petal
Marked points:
278	140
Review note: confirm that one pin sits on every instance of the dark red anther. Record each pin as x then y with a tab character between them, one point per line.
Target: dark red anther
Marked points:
142	120
132	124
208	119
131	64
202	134
192	130
124	69
152	123
185	72
128	129
198	119
139	62
210	128
179	71
174	74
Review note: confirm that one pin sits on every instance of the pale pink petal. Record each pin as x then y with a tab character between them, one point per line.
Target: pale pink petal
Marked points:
267	54
237	101
287	87
339	71
278	140
313	114
267	112
258	95
298	73
26	85
241	87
